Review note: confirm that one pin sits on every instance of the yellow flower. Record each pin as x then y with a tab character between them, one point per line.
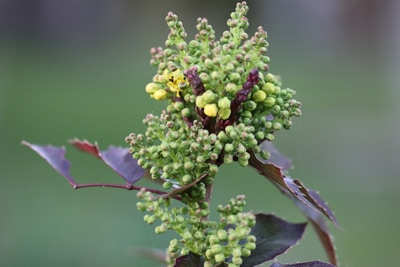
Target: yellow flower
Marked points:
176	81
211	110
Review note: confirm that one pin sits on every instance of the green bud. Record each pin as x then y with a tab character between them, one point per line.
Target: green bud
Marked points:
259	96
178	106
229	148
250	246
213	169
252	239
243	162
187	236
246	252
219	257
217	248
188	165
276	109
209	64
236	252
237	260
205	78
215	75
150	219
249	105
185	251
224	103
222	235
228	158
222	136
213	239
264	154
270	101
185	112
270	137
198	235
141	206
268	87
209	96
186	179
234	77
167	185
277	126
200	102
208	254
231	88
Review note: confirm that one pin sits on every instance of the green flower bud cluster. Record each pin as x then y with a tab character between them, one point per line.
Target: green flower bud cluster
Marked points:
222	103
223	68
232	240
226	241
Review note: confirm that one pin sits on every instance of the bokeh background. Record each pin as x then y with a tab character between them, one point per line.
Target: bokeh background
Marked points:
79	68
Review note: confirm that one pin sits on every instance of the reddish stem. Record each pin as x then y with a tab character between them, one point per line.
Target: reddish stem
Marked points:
127	187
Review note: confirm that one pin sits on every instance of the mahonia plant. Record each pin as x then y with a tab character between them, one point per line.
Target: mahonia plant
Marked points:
222	106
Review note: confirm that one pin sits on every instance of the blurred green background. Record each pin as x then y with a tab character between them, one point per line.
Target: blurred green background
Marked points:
79	68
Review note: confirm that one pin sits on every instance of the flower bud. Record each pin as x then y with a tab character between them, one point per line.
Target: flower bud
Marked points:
217	248
209	96
160	94
151	88
211	110
224	103
219	257
200	101
231	87
186	179
237	260
224	113
259	96
269	101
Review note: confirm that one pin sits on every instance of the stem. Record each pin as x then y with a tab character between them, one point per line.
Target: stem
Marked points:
127	187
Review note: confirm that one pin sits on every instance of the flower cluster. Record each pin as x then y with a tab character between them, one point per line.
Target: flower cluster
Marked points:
222	103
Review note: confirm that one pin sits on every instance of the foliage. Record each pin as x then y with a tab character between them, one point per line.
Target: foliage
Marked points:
223	106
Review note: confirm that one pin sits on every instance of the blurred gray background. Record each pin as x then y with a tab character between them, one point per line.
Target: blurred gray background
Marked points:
79	68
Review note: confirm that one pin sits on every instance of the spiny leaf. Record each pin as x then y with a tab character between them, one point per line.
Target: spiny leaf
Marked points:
274	236
304	264
55	156
308	201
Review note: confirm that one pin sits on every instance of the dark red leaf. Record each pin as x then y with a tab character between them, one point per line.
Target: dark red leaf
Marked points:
190	260
276	158
86	146
274	236
304	264
55	156
117	158
308	201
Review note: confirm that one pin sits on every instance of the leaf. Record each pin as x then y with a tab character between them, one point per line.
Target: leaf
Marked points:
190	260
276	158
304	264
308	201
274	236
55	156
117	158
